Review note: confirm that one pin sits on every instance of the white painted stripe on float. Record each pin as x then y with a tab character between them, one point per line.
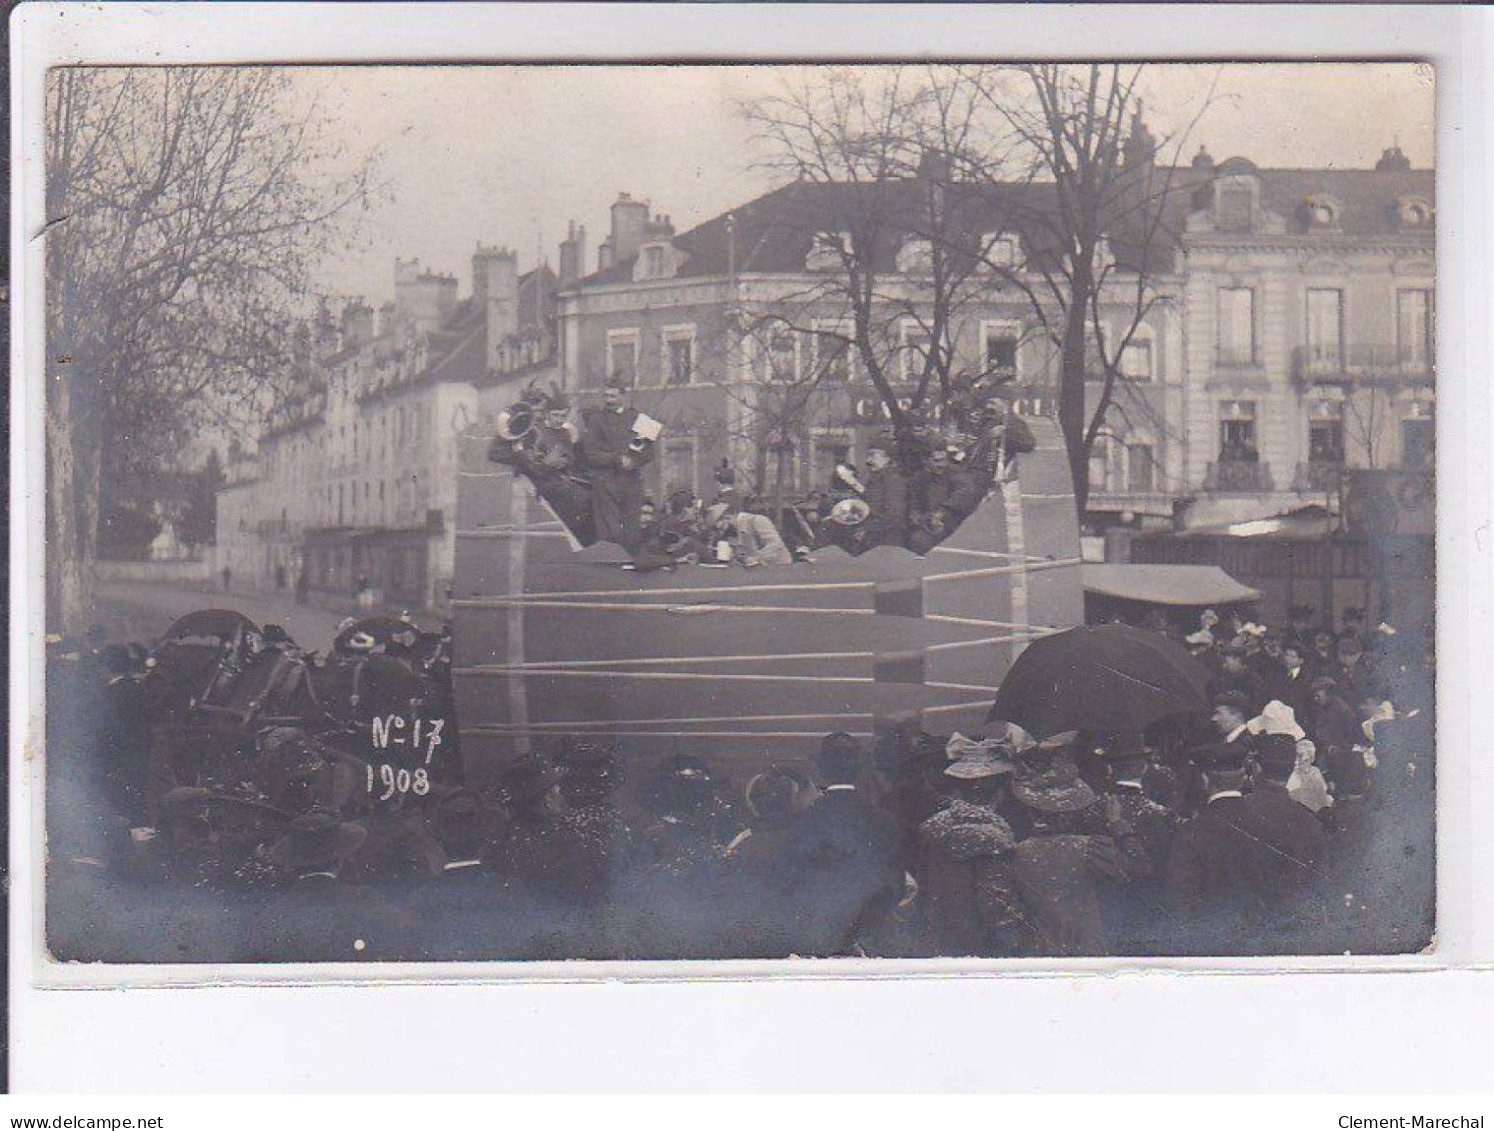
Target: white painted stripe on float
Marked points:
961	687
994	555
978	622
523	671
985	642
1003	571
687	721
986	703
746	735
663	661
678	591
1016	537
518	694
678	610
515	534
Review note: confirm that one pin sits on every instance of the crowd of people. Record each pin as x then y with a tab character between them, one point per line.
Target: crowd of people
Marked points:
921	481
1296	818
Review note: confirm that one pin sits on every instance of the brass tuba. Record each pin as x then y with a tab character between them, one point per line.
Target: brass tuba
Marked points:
515	423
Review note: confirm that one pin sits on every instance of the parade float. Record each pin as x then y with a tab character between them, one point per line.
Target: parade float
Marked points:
553	639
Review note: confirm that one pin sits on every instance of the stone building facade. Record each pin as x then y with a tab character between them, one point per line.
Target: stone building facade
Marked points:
1286	347
355	475
1310	327
736	337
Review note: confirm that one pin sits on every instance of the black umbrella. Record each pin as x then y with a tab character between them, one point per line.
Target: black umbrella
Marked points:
1109	678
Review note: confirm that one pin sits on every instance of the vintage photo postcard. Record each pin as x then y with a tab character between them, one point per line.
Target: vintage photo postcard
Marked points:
527	513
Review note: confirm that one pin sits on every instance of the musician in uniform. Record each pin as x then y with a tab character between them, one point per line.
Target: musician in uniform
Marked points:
886	495
614	456
943	497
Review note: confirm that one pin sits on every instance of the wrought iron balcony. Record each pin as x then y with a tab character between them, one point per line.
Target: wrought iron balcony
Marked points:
1238	475
1312	365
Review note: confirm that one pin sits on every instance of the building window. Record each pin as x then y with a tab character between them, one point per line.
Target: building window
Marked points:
1139	469
653	262
782	355
1001	250
1234	208
774	455
1237	433
1099	464
915	257
999	348
678	466
917	344
827	251
1237	325
622	355
832	353
1136	360
1415	326
1325	328
828	447
679	355
1418	444
1325	439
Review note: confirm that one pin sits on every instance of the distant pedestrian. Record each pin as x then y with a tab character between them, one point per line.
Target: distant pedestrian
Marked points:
227	577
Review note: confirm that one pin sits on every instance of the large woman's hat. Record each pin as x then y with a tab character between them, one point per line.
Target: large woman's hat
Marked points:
1058	789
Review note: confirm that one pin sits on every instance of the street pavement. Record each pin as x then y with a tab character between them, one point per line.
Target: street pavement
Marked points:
144	610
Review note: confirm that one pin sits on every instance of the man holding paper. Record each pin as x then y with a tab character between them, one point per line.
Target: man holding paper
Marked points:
616	442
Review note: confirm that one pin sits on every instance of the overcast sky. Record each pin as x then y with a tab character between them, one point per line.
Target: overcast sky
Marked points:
508	155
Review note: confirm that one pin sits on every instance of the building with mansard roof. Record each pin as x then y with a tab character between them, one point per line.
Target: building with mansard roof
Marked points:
354	475
1287	340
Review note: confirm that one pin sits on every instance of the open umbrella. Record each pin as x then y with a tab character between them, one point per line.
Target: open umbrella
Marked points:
1109	678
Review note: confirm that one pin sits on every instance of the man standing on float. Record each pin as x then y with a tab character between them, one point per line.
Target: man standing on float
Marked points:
614	455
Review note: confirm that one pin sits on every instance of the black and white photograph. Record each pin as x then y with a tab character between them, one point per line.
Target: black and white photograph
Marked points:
525	513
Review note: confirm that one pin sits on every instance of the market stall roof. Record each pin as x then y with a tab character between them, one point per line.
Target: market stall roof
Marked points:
1178	585
1313	523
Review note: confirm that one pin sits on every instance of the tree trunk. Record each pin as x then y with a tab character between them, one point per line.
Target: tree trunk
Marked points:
1071	407
72	511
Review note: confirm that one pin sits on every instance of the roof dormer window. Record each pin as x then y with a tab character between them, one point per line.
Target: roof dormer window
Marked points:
1322	212
1414	212
828	251
655	261
1001	249
915	257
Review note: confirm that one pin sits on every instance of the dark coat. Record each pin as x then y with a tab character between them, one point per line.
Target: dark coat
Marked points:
1335	729
614	471
1246	872
887	495
848	854
968	890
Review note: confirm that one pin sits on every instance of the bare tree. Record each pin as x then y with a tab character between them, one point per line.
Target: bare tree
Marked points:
1100	231
887	232
186	209
935	166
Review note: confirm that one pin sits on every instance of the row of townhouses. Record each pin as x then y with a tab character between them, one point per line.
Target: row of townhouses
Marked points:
1287	336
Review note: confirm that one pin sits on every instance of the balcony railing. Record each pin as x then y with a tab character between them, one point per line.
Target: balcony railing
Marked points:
1238	475
1313	365
1317	477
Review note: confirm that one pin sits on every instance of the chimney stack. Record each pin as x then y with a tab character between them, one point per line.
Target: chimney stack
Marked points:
573	254
357	324
495	286
629	221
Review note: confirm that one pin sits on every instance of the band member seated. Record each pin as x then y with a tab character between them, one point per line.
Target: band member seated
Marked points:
943	497
758	540
613	455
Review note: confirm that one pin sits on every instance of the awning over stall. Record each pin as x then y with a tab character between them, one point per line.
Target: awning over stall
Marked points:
1174	585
